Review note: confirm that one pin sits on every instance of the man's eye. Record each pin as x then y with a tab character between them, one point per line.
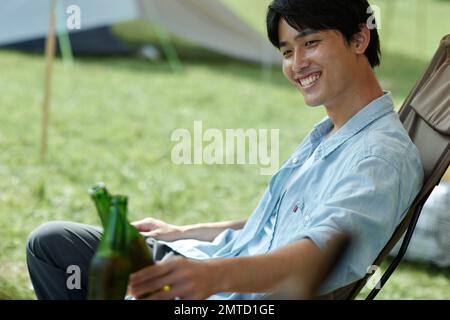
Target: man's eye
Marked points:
311	43
287	53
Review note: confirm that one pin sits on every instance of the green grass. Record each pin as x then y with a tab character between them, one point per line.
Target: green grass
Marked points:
415	281
111	120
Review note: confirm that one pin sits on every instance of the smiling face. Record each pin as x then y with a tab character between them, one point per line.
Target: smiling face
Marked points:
319	63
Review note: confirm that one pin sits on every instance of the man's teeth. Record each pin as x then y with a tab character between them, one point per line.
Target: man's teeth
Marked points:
307	82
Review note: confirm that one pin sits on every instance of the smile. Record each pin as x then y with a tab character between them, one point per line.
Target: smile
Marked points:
310	80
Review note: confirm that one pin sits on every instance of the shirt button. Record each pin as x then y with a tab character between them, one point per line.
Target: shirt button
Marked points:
295	160
307	218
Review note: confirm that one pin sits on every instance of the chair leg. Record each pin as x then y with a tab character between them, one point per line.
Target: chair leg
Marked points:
400	254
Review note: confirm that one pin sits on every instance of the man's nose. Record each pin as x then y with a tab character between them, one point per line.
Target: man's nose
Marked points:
300	62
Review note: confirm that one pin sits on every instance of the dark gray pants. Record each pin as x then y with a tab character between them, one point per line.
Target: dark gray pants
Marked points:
55	246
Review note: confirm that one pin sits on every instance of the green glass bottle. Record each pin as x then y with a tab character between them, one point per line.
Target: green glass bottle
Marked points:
102	200
110	267
140	254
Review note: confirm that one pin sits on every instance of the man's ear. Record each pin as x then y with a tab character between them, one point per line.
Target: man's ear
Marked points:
361	40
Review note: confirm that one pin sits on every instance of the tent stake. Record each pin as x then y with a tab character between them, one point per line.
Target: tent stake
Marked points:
49	55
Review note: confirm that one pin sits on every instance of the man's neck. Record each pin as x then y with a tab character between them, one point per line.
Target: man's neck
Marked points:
366	89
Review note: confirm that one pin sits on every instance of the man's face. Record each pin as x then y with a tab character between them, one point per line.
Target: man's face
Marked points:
319	63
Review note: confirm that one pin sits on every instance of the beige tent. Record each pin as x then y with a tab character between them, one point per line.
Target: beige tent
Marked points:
208	23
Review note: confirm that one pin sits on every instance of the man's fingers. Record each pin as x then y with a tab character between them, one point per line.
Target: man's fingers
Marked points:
165	284
177	291
147	233
149	273
139	225
146	224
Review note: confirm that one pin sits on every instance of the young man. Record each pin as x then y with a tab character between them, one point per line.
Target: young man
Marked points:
357	172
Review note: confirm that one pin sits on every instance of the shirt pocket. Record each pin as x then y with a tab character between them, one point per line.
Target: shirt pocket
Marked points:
306	212
290	222
297	208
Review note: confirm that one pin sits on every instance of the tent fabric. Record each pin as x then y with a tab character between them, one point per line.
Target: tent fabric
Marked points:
211	24
22	20
207	23
96	41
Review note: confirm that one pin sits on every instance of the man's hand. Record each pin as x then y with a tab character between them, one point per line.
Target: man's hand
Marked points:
161	230
158	229
187	279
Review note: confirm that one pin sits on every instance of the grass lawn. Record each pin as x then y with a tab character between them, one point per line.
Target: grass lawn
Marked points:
111	120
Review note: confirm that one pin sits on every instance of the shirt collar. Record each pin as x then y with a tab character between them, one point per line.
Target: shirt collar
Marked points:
373	111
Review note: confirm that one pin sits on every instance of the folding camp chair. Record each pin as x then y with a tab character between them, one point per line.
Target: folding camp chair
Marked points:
425	114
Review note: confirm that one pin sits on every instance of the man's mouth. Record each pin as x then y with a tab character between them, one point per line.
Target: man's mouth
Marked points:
310	80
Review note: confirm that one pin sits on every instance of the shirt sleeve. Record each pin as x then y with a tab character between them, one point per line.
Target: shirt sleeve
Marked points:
366	204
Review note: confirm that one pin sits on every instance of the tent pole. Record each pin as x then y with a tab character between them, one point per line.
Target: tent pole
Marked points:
168	48
63	36
49	55
163	37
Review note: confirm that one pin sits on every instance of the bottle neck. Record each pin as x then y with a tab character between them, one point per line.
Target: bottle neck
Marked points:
102	203
118	213
114	236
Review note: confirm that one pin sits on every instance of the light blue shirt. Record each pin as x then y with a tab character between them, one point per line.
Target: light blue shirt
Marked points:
362	180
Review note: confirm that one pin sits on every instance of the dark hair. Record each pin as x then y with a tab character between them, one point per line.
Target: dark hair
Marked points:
345	16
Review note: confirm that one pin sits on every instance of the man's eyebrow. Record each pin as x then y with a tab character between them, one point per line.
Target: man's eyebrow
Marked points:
301	34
